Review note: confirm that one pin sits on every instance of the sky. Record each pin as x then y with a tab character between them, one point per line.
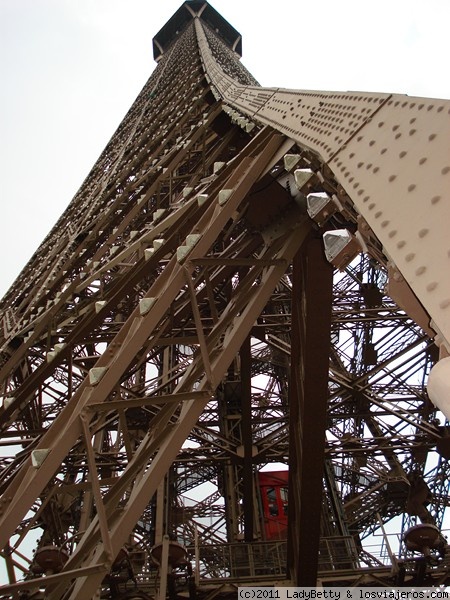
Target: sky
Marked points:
70	69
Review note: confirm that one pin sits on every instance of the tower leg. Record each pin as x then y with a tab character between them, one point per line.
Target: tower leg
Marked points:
311	323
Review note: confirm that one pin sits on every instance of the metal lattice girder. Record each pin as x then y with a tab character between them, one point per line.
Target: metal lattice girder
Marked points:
388	153
146	347
145	330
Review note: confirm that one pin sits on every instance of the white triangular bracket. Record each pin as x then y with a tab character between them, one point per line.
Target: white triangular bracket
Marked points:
302	176
99	305
38	457
158	243
96	374
223	196
50	356
7	401
290	161
192	239
182	252
158	214
145	305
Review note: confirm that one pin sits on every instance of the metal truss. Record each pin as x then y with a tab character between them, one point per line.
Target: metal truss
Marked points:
179	331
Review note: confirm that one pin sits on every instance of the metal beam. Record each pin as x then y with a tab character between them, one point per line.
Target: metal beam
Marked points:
308	395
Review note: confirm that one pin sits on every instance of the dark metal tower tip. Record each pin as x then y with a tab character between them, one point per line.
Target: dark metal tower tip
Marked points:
189	10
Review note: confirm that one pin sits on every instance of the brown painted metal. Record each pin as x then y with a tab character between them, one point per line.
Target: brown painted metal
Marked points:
308	396
377	146
249	508
171	275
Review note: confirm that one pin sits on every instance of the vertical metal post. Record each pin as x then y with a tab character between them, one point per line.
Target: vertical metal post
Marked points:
164	568
159	521
391	554
308	393
246	432
9	564
197	556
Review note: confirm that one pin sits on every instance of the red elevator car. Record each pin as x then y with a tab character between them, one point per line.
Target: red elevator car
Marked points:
274	498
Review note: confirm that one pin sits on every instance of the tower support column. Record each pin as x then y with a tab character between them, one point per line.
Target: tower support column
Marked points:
308	394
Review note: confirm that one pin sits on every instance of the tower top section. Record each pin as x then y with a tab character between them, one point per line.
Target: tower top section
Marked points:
189	10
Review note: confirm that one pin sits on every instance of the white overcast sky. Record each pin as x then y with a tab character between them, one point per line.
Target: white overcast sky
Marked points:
70	69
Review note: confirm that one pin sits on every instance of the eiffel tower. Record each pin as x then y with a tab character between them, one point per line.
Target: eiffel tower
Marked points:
213	369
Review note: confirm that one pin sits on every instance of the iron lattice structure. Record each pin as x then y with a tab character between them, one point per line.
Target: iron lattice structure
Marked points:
180	331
